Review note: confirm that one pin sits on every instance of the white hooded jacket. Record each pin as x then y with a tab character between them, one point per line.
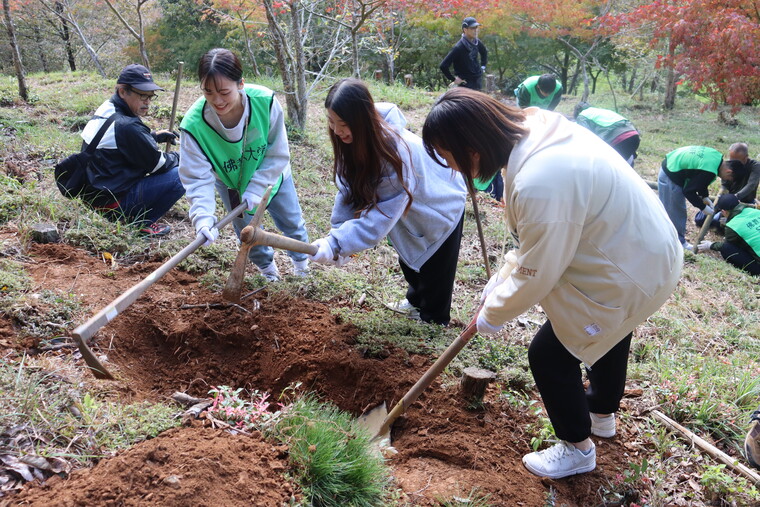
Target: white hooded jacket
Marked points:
596	248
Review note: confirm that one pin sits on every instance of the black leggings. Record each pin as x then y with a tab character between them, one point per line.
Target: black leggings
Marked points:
430	289
558	377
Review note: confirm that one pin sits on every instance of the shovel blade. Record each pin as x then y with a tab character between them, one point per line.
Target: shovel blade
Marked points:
373	420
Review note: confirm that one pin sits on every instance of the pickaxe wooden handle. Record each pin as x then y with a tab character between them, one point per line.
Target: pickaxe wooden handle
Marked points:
253	235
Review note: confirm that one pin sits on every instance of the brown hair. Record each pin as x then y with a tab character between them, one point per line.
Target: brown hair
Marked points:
359	165
219	62
465	121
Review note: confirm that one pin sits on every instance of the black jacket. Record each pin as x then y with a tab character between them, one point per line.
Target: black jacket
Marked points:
464	56
127	153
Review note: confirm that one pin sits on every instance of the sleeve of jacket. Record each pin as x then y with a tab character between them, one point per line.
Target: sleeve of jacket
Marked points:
697	187
134	142
351	234
555	99
198	178
522	96
446	63
276	159
749	190
546	250
483	54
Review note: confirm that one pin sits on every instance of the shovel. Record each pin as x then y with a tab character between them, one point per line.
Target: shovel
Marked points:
83	333
378	421
252	235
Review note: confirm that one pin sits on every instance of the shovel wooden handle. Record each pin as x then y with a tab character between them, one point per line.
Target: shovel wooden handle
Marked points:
83	333
174	103
440	364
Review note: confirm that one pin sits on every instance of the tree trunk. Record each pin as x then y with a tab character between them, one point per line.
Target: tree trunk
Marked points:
66	37
90	50
40	49
249	49
22	89
670	83
474	383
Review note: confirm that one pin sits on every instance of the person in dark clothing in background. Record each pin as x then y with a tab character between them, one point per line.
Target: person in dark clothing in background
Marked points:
468	71
129	177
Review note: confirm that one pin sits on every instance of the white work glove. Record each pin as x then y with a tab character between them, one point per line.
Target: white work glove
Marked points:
723	219
510	262
485	328
704	246
325	254
210	234
251	200
708	210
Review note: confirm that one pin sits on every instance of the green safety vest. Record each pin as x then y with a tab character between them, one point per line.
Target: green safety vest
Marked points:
694	157
232	161
531	84
747	225
602	117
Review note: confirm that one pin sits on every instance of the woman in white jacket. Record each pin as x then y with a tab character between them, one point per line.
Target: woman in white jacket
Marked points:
389	186
595	249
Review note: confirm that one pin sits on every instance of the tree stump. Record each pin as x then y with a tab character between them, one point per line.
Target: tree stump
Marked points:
378	75
474	382
45	233
408	80
490	83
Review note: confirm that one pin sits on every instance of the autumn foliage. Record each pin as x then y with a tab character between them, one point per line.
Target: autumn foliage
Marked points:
713	44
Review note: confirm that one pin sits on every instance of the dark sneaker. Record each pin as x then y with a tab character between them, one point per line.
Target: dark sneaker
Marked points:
155	229
752	442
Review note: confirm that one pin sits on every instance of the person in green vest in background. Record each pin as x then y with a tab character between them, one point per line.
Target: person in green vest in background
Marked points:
614	129
234	141
687	173
742	243
543	92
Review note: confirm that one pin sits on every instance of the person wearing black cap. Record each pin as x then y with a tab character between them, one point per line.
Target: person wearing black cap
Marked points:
131	179
468	71
742	243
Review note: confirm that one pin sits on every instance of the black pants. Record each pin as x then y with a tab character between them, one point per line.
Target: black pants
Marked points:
740	258
430	290
558	377
627	148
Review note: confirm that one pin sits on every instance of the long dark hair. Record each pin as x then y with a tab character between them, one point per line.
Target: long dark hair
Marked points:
359	165
465	121
219	62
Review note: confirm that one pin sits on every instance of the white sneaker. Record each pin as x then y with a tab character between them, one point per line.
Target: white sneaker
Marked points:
271	273
603	426
301	268
688	246
404	306
560	460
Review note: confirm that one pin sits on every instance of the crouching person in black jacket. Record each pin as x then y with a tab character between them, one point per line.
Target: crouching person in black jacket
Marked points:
129	177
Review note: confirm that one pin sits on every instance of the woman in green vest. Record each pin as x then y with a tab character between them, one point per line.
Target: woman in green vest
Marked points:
234	141
742	245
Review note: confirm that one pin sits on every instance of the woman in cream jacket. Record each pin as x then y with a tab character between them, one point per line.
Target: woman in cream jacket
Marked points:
595	249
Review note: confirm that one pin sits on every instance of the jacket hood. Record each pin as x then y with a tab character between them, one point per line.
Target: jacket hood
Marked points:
545	128
391	114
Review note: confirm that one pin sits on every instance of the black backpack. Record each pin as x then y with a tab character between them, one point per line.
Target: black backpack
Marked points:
71	174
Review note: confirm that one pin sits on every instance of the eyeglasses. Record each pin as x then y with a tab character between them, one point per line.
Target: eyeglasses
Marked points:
143	96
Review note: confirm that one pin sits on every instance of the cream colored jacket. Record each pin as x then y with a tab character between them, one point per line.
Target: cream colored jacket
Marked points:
596	248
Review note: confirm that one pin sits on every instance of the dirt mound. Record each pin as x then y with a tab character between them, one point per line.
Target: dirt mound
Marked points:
180	337
182	467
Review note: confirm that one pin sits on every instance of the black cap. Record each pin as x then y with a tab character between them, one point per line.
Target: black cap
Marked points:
138	77
727	202
470	23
